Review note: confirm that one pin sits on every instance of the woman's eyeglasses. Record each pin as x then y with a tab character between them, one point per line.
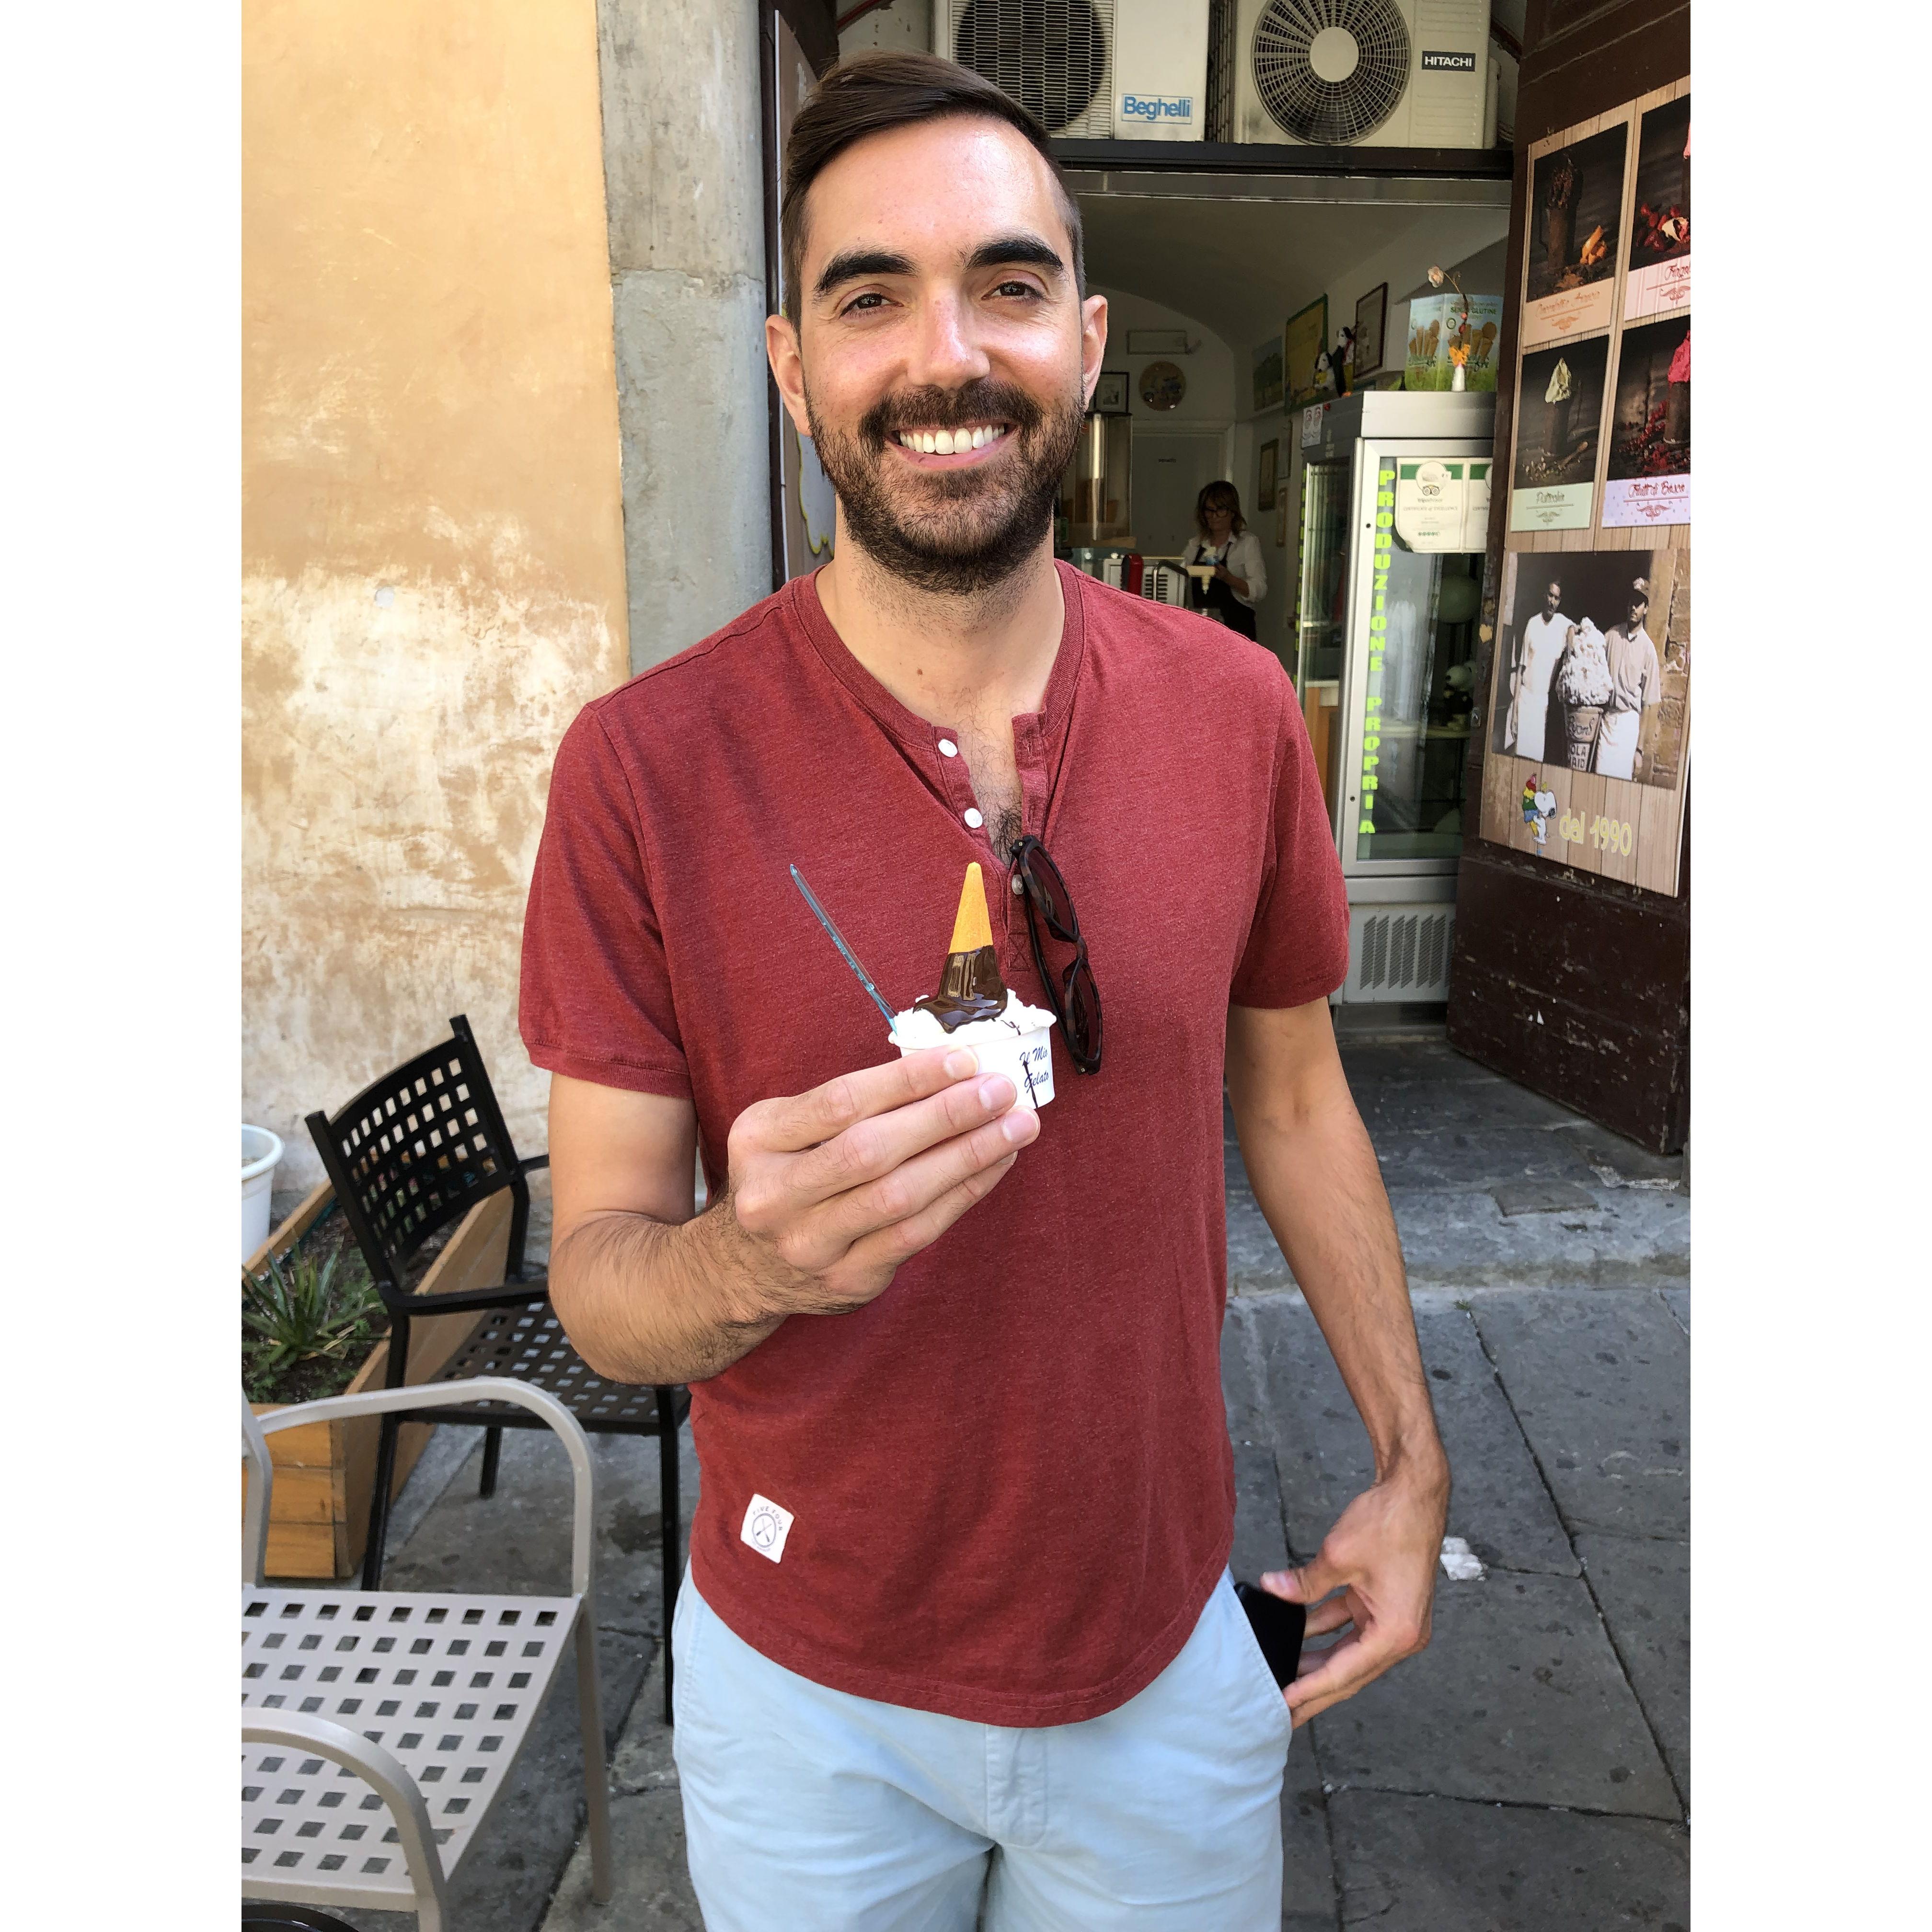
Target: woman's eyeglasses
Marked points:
1071	992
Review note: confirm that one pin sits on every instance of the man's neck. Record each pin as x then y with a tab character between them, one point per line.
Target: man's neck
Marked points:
949	659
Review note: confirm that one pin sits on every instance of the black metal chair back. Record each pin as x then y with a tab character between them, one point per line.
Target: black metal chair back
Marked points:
414	1152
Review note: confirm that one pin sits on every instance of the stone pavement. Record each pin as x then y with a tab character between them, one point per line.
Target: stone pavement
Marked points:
1529	1770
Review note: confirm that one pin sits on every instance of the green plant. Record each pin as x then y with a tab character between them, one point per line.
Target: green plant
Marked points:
301	1312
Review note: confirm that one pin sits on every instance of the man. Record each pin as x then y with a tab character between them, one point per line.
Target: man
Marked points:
957	1632
1636	681
1543	640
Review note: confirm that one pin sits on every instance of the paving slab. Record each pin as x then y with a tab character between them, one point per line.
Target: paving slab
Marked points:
1643	1588
1499	1504
1441	1864
1520	1698
1542	1197
1459	1160
1259	1542
1600	1384
1436	1106
1412	1060
1462	1239
1678	1300
1309	1900
652	1884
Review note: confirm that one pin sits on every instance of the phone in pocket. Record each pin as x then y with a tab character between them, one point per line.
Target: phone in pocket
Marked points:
1278	1627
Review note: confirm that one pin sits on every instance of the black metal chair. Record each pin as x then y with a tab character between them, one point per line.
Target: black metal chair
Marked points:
411	1155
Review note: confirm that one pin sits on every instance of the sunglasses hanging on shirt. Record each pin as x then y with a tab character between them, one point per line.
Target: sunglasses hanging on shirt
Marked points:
1071	990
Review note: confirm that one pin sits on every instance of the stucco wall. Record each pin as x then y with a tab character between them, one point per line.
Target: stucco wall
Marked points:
432	538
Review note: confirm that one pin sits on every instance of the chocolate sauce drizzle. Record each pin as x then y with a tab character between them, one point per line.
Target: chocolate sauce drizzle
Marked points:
971	989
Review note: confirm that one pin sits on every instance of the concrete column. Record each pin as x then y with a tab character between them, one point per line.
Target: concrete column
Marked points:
685	198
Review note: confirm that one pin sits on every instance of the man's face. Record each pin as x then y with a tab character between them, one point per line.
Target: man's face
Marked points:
1639	608
1552	599
937	301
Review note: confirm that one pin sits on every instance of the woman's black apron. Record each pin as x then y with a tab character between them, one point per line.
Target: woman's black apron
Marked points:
1218	598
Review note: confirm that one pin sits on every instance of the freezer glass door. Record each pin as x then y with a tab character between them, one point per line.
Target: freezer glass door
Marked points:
1411	682
1322	603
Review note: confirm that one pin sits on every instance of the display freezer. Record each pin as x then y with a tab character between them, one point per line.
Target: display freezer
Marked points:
1394	496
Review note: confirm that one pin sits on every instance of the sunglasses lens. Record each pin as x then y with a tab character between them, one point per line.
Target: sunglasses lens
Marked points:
1055	902
1083	1011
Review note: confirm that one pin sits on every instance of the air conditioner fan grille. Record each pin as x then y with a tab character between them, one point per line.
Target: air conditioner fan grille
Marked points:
1331	113
1051	55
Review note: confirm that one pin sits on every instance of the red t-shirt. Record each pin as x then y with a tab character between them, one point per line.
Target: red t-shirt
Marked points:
1009	1477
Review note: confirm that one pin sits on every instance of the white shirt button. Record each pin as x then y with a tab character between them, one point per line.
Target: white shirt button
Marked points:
947	749
975	816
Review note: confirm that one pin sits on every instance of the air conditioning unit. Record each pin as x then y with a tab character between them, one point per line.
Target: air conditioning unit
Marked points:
1367	73
1090	70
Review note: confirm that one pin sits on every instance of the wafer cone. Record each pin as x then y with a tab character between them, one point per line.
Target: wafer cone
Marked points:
972	925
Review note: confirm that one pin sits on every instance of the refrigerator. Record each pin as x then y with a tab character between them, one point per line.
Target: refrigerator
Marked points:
1394	490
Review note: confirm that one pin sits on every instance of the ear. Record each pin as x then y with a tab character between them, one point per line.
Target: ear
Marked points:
782	351
1093	344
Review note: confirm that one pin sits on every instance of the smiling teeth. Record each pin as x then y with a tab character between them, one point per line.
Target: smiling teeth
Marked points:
950	443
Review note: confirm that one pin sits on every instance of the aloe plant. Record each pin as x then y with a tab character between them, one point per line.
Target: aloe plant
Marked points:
302	1312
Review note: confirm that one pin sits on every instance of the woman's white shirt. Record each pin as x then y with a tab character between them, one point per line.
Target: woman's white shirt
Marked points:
1243	559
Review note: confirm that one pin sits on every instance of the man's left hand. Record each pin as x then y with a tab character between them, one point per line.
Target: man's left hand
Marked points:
1381	1556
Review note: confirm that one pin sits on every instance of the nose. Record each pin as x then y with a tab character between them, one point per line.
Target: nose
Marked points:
946	355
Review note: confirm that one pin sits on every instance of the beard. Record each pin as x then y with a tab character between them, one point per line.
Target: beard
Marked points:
952	532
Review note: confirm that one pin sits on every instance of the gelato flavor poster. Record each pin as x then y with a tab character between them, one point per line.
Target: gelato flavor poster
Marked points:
1649	475
1589	721
1659	281
1559	413
1436	325
1573	246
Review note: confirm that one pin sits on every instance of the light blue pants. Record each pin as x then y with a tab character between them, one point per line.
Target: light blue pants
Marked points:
807	1809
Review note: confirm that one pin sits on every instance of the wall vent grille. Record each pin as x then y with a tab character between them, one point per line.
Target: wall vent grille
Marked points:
1400	953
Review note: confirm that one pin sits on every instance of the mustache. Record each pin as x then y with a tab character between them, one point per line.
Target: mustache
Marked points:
932	407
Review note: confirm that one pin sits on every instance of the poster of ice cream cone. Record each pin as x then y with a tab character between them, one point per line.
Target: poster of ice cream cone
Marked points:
1559	413
1659	281
1436	326
1648	480
1573	244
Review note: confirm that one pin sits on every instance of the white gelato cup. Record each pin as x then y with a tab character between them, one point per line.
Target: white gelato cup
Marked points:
1018	1044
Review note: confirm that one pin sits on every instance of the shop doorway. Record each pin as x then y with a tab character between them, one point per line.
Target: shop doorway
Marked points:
1169	473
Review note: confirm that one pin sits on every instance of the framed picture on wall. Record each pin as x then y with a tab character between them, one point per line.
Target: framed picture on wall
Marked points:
1270	458
1267	375
1110	393
1371	325
1304	341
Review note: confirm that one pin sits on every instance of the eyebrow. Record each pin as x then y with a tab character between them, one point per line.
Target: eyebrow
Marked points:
853	264
1017	248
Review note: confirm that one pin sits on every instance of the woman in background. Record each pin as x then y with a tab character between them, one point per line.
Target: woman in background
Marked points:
1240	581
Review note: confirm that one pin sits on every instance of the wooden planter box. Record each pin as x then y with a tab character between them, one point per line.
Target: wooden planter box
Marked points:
324	1472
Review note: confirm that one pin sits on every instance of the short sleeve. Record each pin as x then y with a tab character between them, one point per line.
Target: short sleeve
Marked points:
1297	948
595	999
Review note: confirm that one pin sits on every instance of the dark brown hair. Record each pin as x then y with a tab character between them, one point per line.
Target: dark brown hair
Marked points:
873	92
1222	492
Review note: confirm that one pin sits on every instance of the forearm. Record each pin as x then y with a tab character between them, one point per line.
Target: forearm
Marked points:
650	1301
1315	1175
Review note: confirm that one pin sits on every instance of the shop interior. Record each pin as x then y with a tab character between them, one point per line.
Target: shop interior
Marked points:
1214	261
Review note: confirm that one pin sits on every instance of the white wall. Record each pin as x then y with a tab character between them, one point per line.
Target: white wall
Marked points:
1211	399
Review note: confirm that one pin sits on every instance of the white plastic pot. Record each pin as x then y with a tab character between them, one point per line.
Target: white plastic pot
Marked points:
260	1152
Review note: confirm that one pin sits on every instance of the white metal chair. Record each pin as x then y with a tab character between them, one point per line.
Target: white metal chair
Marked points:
379	1726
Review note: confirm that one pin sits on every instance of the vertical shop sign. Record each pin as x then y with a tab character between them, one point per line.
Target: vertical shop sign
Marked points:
1386	490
